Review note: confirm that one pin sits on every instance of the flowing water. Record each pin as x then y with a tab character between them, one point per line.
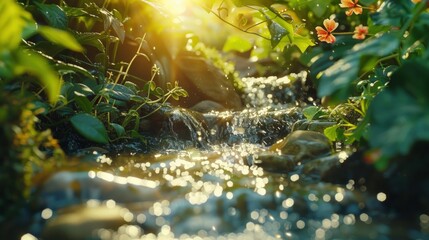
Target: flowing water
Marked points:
203	183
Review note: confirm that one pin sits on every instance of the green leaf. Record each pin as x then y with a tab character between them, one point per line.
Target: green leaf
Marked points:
111	21
32	63
60	37
120	131
400	114
53	14
83	90
319	7
84	104
310	112
237	43
302	42
398	122
14	19
337	79
119	92
61	66
261	3
393	13
331	132
92	39
279	28
90	127
106	108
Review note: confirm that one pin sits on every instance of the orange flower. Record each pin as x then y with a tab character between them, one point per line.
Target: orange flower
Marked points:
416	1
352	6
360	32
326	35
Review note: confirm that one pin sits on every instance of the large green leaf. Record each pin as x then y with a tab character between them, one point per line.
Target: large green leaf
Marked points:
119	92
53	14
302	42
237	43
280	30
90	127
91	39
111	21
261	3
319	7
28	62
337	78
393	13
398	121
60	37
13	20
400	114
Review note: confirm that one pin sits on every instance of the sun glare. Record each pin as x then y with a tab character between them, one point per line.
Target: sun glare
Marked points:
176	7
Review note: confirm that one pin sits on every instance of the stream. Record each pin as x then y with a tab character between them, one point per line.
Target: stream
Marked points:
226	178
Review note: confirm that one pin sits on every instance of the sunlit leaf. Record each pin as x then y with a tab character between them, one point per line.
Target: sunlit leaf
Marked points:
34	64
331	132
60	37
53	14
302	42
13	21
90	127
279	28
237	43
261	3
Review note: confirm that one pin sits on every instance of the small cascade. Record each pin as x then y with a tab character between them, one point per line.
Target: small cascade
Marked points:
273	105
279	93
184	129
260	126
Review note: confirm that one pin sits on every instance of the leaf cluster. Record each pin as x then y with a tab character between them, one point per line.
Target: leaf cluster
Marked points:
380	80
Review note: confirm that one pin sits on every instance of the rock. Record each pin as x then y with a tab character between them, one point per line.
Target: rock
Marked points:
314	125
274	162
303	145
83	221
320	166
298	146
207	106
66	188
203	81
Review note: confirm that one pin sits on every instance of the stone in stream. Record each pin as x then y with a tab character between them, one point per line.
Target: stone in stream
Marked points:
294	149
313	125
83	222
66	188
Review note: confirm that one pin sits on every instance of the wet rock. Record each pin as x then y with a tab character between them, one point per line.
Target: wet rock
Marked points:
203	81
274	162
317	126
303	145
286	154
207	106
66	188
83	221
320	166
262	126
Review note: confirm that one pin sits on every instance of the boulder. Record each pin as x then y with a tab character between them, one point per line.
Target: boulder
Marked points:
303	145
298	147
